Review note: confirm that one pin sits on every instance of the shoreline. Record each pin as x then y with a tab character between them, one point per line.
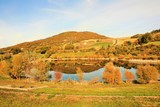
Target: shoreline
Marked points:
135	61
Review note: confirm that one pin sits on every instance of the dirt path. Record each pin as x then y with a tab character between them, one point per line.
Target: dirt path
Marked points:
115	42
23	89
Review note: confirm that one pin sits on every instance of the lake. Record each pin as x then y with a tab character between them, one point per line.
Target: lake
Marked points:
91	69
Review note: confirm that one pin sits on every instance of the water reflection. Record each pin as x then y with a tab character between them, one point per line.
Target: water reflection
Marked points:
70	67
91	70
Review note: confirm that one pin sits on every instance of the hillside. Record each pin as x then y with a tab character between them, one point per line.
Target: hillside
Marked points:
58	40
155	35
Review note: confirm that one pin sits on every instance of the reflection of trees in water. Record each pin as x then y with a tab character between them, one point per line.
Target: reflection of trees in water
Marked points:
70	67
125	64
128	65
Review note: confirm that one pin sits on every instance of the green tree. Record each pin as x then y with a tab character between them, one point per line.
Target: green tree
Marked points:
145	38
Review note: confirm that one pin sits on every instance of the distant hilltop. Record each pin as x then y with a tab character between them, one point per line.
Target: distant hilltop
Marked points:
60	39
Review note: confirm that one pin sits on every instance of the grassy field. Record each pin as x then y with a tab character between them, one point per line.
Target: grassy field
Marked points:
66	94
120	41
27	100
72	54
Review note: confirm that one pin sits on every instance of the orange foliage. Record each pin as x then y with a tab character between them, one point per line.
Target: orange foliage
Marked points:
117	75
2	65
147	73
111	74
57	76
129	76
79	74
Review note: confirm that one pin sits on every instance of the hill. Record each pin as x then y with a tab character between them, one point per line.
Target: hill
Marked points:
155	35
58	40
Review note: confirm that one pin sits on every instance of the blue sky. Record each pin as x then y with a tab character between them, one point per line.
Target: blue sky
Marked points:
28	20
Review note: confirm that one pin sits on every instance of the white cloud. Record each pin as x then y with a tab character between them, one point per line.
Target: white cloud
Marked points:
114	18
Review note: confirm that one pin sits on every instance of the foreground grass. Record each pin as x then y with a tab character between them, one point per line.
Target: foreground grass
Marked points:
31	100
65	94
102	90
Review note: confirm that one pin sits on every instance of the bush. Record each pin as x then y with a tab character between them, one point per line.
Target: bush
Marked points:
145	38
129	76
16	50
111	74
57	76
147	73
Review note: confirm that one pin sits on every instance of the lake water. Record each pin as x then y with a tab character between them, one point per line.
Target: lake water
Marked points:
91	70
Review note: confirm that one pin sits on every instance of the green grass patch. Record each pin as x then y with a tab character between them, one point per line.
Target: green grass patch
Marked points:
154	43
108	90
102	44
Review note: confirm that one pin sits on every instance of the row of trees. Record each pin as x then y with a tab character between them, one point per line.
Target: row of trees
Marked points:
112	74
145	74
24	65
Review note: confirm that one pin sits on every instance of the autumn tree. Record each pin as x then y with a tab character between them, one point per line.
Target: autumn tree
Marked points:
41	68
18	66
147	73
22	64
5	67
79	74
111	74
57	76
117	78
128	76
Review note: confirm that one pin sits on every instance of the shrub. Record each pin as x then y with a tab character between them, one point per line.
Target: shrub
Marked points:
145	38
147	73
16	50
57	76
111	74
129	76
